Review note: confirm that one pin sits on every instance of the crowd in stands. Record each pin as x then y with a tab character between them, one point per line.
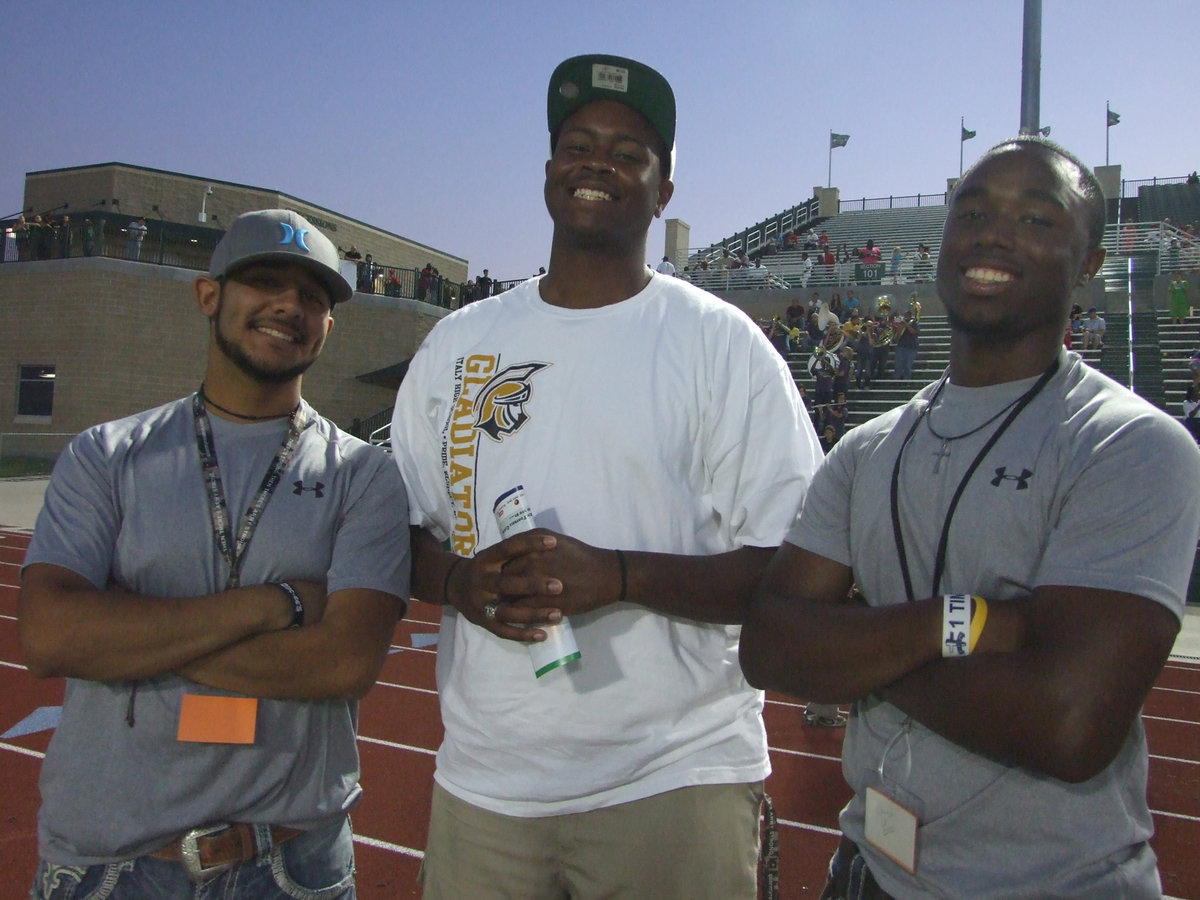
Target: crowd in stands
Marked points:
845	342
817	260
37	237
1178	245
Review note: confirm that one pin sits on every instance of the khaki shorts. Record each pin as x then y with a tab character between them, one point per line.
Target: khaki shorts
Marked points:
695	842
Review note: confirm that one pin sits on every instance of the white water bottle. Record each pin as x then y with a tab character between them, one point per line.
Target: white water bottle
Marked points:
514	516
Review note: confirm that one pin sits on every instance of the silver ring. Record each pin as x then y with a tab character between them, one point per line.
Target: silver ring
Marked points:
489	610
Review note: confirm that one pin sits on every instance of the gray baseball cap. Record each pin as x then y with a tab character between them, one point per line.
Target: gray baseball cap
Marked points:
280	235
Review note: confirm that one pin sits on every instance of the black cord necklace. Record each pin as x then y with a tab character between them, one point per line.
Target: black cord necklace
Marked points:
944	451
943	542
209	401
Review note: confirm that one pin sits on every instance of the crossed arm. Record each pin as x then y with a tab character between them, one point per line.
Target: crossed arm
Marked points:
236	639
538	577
1054	685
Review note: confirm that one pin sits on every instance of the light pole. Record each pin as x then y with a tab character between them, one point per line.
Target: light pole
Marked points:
203	217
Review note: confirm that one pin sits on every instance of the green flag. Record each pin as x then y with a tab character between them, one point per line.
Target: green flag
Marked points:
1113	118
967	134
838	140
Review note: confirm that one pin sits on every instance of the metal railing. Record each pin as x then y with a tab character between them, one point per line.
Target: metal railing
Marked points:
1129	188
909	201
188	247
755	236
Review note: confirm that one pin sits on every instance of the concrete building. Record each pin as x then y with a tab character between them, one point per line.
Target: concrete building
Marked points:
93	338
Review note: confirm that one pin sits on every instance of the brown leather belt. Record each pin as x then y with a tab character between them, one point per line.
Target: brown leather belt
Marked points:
212	849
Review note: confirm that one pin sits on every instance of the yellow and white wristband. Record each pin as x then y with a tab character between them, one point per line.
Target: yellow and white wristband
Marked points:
961	624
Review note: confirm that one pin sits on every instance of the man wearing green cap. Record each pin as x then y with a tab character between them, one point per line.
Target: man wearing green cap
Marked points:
214	657
663	451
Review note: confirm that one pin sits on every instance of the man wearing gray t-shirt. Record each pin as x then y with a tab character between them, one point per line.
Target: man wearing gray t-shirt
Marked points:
218	581
1023	550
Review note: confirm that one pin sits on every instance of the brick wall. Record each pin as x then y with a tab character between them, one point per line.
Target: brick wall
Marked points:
127	336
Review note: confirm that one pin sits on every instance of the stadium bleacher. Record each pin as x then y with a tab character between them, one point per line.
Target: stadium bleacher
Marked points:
1142	350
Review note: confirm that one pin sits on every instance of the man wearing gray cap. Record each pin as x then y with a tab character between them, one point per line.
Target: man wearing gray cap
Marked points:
218	581
663	450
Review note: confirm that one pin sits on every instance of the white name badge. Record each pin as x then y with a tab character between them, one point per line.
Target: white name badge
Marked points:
891	829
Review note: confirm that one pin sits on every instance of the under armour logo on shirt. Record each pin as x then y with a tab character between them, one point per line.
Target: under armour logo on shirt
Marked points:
1022	480
299	489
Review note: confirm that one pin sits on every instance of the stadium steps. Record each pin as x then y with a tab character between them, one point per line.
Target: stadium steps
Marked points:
1148	359
1177	343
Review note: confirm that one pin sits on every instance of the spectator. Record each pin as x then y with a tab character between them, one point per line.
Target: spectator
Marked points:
777	334
64	238
1177	294
353	255
38	239
483	285
908	332
881	347
845	266
869	254
89	236
894	266
850	304
1093	331
851	328
923	264
666	267
806	267
21	233
795	314
864	348
1075	319
823	239
842	370
760	274
424	280
366	275
133	244
822	365
836	307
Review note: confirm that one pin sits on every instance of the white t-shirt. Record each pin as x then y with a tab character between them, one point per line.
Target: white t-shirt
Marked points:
666	423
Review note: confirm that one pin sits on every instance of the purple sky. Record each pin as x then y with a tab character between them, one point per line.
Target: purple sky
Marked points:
428	119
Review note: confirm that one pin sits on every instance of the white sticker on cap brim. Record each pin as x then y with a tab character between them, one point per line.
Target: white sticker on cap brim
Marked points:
611	78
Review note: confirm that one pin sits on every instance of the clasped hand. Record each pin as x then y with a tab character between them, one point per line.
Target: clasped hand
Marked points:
518	578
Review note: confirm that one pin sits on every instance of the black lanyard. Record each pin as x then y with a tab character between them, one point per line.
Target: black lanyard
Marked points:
939	565
234	551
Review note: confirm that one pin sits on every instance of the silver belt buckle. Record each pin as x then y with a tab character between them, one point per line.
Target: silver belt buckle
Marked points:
189	853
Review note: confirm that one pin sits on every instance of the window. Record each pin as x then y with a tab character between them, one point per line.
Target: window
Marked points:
35	391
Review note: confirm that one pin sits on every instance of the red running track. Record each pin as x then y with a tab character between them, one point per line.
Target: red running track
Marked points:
400	730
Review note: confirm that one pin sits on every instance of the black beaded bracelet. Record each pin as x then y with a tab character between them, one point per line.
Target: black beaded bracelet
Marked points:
297	603
624	576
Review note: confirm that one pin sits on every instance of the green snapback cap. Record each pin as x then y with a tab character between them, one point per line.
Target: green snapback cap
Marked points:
583	79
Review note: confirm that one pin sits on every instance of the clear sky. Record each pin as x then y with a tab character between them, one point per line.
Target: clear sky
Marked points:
428	118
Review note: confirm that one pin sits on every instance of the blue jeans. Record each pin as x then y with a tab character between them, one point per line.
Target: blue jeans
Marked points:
316	865
906	358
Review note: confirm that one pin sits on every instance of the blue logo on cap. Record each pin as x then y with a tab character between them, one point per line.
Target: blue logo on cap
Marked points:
294	236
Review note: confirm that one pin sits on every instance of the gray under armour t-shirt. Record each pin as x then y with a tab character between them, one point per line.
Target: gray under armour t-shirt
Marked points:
127	504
